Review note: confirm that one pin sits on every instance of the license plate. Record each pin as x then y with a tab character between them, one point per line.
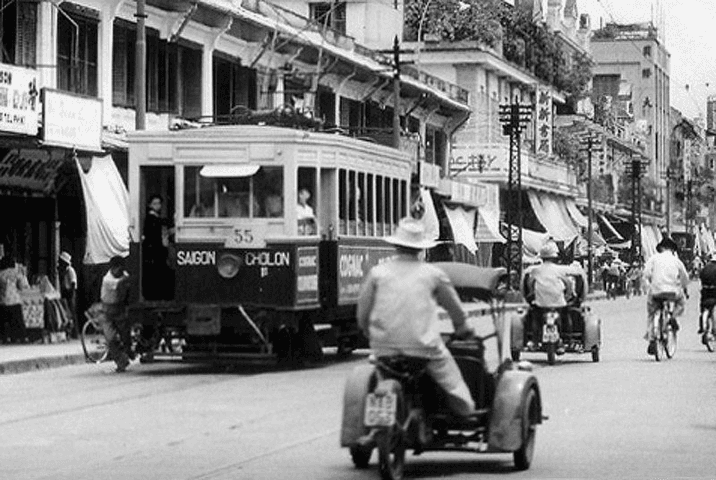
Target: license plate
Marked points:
380	410
550	334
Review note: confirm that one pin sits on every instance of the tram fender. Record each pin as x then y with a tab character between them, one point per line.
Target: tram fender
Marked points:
360	382
506	429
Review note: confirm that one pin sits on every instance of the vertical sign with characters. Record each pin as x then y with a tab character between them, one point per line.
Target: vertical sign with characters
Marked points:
543	119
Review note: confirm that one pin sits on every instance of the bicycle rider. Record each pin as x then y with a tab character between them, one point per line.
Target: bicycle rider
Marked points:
664	273
115	325
708	288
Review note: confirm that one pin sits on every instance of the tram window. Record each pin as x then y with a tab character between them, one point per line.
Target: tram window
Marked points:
361	201
306	201
388	218
403	198
342	202
396	201
370	204
379	202
199	200
352	204
234	197
268	192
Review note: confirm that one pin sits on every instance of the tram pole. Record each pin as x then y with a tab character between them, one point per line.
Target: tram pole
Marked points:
140	72
589	143
396	93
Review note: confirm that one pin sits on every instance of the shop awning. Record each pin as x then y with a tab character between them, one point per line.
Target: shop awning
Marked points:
488	226
430	217
462	223
533	241
29	170
107	206
650	238
552	213
612	232
576	215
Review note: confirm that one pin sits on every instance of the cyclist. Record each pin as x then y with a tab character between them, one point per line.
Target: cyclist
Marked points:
708	288
664	273
115	325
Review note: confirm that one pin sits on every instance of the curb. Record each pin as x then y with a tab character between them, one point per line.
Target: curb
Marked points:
40	363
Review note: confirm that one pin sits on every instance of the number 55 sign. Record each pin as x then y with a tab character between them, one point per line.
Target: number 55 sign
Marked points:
244	236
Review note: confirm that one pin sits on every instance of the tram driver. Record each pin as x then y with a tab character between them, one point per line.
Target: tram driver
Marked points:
305	215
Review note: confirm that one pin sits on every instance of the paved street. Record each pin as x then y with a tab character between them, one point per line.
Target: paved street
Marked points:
626	417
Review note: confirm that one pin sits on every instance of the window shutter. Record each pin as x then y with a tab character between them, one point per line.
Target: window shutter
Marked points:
119	66
26	34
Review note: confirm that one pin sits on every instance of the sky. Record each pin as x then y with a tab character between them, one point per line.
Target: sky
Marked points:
690	37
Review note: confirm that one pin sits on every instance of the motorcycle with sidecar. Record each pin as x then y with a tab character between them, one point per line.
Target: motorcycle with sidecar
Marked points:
392	405
555	331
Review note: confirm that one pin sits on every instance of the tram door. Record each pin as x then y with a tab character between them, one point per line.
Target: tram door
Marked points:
157	197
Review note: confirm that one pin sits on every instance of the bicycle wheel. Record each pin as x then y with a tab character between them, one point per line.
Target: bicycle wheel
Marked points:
709	336
94	344
659	353
668	337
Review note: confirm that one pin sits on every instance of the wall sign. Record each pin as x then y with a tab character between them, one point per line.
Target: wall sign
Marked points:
71	121
543	130
18	100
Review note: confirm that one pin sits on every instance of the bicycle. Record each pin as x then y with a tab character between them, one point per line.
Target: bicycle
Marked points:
708	337
665	327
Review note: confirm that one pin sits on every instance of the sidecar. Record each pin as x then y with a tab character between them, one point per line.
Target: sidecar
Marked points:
528	332
506	393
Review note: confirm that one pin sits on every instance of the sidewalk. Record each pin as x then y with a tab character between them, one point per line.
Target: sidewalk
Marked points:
31	357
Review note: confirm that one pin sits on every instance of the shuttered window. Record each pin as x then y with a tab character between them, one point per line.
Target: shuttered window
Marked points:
77	53
18	33
190	61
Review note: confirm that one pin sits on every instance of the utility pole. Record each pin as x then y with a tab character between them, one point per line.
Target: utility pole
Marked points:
140	69
514	118
635	168
396	93
588	144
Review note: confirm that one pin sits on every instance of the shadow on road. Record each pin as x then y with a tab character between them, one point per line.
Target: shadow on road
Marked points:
440	469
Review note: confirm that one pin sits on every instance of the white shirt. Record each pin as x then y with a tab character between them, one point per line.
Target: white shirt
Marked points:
304	212
665	273
398	307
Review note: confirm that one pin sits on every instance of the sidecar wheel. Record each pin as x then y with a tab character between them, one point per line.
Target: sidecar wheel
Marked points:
523	457
551	353
391	455
361	456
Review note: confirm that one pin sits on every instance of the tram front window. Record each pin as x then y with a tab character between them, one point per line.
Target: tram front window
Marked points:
215	192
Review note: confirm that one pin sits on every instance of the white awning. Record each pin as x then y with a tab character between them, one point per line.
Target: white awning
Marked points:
229	171
576	215
552	213
488	226
430	217
533	241
462	223
650	238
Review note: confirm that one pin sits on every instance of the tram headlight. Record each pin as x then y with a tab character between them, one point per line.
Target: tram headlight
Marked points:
228	265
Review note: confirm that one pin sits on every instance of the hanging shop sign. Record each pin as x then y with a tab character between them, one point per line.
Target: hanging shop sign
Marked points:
472	194
543	130
18	100
71	121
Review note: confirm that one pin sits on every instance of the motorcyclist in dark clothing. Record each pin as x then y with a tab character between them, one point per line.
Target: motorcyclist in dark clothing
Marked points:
708	288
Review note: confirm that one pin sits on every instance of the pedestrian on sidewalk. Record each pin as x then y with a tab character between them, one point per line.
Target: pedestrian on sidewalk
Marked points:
12	323
115	324
68	288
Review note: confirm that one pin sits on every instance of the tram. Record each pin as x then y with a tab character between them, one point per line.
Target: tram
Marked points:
248	275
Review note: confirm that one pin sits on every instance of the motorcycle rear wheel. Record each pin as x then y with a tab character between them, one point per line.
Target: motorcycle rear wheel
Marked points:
551	353
361	456
94	343
391	454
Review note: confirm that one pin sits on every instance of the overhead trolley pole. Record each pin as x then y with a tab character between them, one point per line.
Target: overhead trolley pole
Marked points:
636	169
514	118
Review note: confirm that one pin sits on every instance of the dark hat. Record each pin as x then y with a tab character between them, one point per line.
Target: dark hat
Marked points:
667	242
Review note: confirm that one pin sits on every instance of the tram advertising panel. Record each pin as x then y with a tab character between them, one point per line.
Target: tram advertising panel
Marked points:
354	263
